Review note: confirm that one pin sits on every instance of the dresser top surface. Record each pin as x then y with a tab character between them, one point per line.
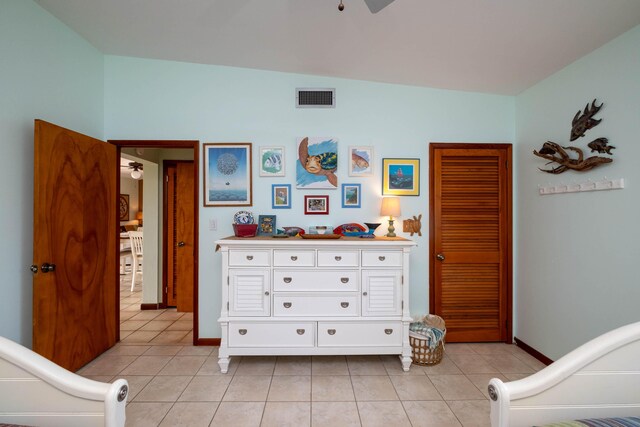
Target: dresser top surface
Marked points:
268	241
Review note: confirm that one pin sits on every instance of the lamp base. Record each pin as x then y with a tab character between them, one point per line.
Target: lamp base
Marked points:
391	230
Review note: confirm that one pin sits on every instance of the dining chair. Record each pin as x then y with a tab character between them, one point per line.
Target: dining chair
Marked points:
136	254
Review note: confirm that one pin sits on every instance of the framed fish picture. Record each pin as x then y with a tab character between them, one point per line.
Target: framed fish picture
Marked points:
227	174
317	163
400	177
272	161
361	161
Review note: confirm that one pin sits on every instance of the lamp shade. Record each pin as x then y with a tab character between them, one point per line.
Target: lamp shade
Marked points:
139	216
136	174
390	206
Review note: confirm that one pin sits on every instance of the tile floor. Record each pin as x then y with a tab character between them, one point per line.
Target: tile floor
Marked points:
173	383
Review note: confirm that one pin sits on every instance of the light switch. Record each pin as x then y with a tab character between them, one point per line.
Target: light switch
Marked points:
213	224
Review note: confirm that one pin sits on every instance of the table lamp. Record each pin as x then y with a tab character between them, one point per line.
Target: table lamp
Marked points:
139	218
390	207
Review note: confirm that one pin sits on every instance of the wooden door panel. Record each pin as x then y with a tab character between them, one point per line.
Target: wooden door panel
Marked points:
170	224
75	306
184	233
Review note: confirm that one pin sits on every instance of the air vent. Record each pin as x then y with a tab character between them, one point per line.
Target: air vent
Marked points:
315	98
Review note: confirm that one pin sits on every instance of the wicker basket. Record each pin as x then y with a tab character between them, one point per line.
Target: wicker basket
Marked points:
421	353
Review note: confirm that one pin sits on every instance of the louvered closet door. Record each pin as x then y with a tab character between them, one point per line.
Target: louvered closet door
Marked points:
471	240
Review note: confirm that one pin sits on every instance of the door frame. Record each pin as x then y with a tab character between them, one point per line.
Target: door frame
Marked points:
195	145
509	257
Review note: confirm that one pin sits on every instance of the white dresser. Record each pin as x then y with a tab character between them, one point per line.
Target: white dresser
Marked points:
314	297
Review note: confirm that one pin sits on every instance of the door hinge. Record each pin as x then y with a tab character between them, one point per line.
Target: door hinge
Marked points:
402	305
227	280
507	163
227	305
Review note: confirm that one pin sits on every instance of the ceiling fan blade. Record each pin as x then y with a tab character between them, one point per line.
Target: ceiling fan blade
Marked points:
376	6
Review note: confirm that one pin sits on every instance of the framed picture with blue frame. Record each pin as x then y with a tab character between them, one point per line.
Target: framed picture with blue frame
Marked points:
281	196
400	177
351	195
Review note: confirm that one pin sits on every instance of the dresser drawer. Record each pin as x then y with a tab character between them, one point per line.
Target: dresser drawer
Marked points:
316	305
381	258
338	258
266	334
283	258
361	334
315	280
248	257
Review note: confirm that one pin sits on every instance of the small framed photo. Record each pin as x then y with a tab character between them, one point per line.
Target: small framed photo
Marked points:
124	207
266	225
227	174
272	161
351	195
400	177
361	161
316	205
281	196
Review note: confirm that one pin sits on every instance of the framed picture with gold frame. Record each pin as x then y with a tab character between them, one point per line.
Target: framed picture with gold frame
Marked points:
400	177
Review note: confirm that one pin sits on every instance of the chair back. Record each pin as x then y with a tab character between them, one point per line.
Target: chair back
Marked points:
136	243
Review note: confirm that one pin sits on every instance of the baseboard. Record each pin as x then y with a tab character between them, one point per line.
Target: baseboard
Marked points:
150	306
208	341
533	352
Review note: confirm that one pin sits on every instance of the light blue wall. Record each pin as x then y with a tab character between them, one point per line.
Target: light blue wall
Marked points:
150	99
48	72
578	254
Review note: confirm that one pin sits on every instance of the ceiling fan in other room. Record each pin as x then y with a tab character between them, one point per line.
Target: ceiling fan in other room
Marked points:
374	6
136	172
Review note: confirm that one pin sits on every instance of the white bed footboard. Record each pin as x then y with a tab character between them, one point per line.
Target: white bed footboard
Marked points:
599	379
36	391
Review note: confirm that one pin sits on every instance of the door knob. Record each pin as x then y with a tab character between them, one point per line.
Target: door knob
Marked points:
33	268
47	268
440	257
180	244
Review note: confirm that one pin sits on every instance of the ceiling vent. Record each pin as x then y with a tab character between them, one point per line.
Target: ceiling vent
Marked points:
315	98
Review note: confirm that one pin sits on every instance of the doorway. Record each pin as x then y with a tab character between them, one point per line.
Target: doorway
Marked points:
470	245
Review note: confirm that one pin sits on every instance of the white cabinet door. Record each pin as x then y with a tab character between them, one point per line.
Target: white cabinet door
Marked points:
381	292
249	292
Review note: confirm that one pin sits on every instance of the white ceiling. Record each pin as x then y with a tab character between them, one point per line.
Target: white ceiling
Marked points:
493	46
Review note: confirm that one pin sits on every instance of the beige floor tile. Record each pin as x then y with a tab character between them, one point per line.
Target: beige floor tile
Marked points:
290	388
238	414
515	377
126	315
366	365
446	366
458	348
146	365
163	389
170	315
196	351
107	365
293	365
187	339
472	364
163	350
334	388
430	414
169	337
211	367
370	388
508	364
132	325
147	315
472	413
329	365
136	384
530	360
481	381
333	414
248	388
183	365
124	334
101	378
146	414
256	365
415	388
492	348
455	387
130	300
128	350
382	414
132	307
140	337
180	325
206	389
156	325
394	367
190	414
187	316
286	414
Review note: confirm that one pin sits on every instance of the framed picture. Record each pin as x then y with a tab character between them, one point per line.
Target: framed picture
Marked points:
227	174
272	161
351	195
317	163
401	177
316	205
281	196
124	207
266	225
361	161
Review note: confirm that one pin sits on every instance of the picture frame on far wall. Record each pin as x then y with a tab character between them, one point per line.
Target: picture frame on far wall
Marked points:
281	196
316	205
361	161
227	174
266	225
124	207
400	177
272	161
351	195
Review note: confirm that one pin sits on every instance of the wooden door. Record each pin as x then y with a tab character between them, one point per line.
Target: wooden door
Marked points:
75	305
470	240
180	238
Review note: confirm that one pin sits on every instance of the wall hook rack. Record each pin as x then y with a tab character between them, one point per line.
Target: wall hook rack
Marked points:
588	185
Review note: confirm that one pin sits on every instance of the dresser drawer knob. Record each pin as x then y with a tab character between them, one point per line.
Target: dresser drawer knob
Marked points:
364	294
286	304
331	331
388	331
344	304
266	293
294	258
338	258
300	331
287	280
344	280
381	258
242	331
249	257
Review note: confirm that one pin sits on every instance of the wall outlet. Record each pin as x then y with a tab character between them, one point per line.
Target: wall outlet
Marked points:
213	224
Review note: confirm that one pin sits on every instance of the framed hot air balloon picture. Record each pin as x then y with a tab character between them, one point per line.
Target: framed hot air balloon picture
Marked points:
227	174
401	177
